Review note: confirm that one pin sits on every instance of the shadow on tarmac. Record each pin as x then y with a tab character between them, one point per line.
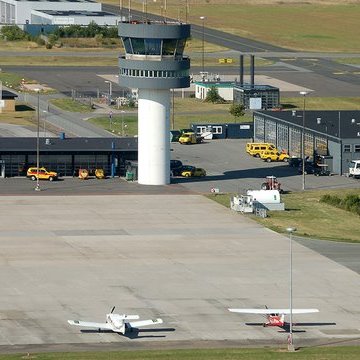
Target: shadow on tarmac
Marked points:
133	333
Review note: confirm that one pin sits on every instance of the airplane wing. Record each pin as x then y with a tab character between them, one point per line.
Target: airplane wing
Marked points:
141	323
274	311
95	325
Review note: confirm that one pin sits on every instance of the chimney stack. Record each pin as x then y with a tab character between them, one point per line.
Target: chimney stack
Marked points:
241	81
252	70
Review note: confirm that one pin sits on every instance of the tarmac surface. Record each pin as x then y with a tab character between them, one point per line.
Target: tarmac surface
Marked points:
180	257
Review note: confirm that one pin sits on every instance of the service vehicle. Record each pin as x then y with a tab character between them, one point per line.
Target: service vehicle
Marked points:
255	150
271	183
274	155
83	174
189	171
354	168
249	145
44	174
100	173
190	138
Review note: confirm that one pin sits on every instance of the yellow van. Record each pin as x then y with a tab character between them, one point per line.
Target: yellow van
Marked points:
256	149
250	145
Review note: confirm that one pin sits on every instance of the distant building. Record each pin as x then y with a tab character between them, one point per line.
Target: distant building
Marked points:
7	101
19	11
225	89
73	17
257	97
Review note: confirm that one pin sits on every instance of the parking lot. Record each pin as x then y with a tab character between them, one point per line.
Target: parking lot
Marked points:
229	168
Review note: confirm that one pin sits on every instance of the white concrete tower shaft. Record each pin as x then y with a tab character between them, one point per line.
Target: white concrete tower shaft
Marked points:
154	63
153	137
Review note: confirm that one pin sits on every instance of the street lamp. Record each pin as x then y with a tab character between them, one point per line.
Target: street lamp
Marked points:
110	90
44	112
37	187
202	18
122	122
303	93
290	230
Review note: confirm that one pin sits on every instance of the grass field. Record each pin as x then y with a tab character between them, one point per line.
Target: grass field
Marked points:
311	25
190	110
309	216
318	353
71	105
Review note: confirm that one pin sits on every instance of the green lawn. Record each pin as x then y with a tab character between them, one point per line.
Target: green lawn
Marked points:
309	216
316	353
68	104
118	125
58	61
322	103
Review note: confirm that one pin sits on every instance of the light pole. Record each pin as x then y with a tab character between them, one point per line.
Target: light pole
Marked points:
44	112
202	18
110	90
303	93
122	122
290	230
37	187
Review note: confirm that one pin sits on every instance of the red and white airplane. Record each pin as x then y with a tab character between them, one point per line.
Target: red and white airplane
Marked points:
118	323
274	317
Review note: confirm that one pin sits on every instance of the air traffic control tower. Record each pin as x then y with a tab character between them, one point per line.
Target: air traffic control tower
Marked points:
154	63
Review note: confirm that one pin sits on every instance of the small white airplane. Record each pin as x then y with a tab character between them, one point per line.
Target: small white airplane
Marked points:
275	317
117	323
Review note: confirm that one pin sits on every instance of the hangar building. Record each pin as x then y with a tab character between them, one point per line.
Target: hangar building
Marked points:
19	11
73	17
335	134
67	155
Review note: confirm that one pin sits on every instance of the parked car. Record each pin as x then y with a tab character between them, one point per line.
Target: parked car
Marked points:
309	168
175	167
32	173
189	171
295	161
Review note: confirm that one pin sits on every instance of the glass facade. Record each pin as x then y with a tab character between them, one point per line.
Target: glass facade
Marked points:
283	137
154	73
259	134
270	132
64	164
295	138
156	47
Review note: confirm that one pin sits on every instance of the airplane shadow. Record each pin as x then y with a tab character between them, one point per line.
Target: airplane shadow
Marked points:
286	327
133	333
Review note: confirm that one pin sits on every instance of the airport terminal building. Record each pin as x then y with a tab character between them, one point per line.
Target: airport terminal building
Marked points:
334	134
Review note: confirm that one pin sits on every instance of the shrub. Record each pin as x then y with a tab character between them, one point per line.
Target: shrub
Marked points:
350	203
213	96
12	33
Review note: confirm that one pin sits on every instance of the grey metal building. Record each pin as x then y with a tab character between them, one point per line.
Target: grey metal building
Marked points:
332	133
73	17
19	11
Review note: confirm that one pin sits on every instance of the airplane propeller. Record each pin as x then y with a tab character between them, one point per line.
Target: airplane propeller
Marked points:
112	310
